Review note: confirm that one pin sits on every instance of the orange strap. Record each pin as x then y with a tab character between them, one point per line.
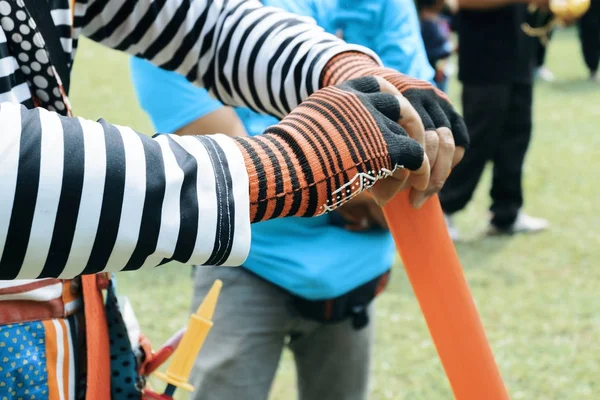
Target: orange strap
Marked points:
436	276
97	344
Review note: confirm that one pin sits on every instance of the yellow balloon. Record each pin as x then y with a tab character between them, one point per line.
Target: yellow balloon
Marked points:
569	9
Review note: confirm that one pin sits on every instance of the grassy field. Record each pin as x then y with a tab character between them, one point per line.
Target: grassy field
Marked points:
538	296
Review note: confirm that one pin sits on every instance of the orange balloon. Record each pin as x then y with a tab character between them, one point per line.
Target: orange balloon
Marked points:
435	273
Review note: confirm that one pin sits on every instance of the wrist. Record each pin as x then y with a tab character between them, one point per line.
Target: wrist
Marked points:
353	65
346	66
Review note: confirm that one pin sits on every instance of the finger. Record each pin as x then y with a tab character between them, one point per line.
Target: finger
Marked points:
387	104
403	151
424	115
445	159
385	189
438	114
409	118
418	182
432	143
419	179
401	174
459	153
386	87
366	84
416	198
441	169
411	121
389	187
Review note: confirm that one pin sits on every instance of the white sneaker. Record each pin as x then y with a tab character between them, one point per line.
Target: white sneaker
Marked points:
545	74
452	230
523	224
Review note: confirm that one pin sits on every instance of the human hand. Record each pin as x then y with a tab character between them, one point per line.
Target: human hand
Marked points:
339	142
446	136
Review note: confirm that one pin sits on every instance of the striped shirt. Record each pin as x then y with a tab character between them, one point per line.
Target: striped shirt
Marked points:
83	197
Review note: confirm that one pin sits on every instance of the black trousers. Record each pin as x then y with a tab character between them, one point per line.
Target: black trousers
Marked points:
589	35
540	51
499	121
539	19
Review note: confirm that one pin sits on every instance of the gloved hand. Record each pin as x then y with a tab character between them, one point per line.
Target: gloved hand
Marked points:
446	132
432	104
340	141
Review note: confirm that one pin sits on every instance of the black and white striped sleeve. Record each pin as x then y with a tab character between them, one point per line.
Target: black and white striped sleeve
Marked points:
242	52
82	197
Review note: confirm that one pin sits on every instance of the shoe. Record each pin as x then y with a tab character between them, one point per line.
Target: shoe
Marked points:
523	224
452	230
545	74
595	77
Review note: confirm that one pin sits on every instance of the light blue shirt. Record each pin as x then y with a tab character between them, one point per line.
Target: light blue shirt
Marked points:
309	257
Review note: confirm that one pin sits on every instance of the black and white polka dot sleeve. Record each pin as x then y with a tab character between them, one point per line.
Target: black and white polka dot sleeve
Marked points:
81	197
242	52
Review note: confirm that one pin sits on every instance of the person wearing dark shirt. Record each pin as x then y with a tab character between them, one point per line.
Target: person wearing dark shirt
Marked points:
589	34
435	30
496	66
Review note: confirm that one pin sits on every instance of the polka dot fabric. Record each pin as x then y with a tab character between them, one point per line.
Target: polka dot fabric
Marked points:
123	366
23	371
27	45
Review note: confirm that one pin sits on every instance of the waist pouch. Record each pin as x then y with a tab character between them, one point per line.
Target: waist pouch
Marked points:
353	304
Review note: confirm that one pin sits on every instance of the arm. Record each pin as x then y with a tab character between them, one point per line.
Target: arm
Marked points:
243	53
246	54
83	197
189	109
224	120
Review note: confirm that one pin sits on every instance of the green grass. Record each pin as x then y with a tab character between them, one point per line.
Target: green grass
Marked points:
538	295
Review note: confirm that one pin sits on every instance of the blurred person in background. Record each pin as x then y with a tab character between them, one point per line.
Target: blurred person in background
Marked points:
435	29
307	283
540	18
589	35
496	67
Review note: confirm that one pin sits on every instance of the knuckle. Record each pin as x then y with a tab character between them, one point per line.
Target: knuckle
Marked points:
432	139
446	139
432	135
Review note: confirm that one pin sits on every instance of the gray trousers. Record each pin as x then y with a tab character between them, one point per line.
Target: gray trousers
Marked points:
252	323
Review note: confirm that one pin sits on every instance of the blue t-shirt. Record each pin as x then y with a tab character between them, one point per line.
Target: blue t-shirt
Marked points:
311	257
